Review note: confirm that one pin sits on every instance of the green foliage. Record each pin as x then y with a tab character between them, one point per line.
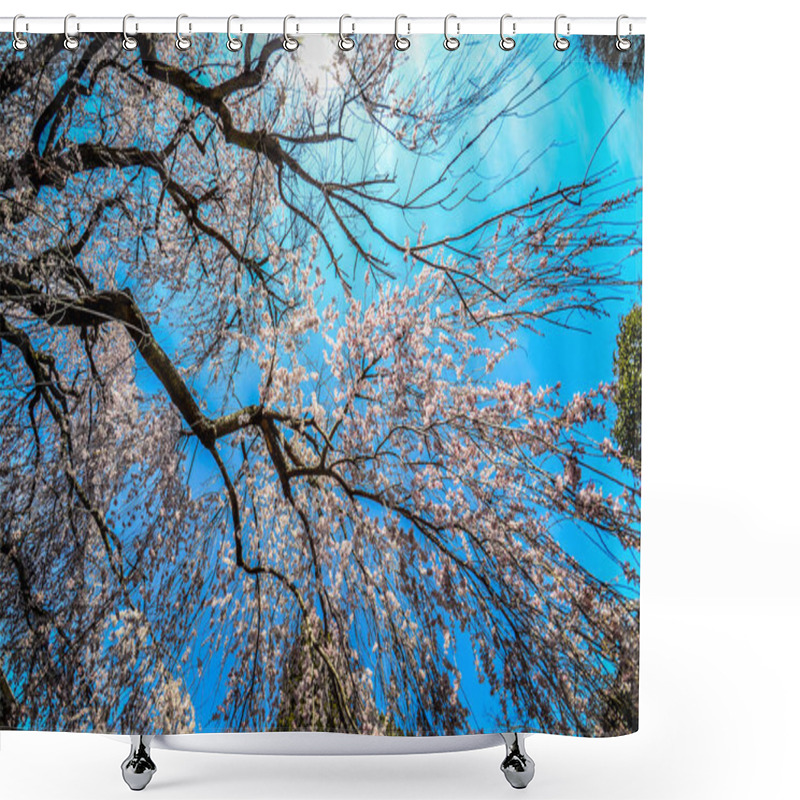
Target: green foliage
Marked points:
620	712
310	698
628	372
316	696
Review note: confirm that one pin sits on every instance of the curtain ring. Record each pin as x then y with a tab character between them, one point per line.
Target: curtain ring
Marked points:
182	42
451	42
19	42
289	42
345	42
401	42
70	42
234	42
128	42
561	43
507	42
622	43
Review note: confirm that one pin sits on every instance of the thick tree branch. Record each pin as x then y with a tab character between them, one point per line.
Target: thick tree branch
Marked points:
8	703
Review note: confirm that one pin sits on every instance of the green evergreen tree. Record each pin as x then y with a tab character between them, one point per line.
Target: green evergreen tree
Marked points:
628	372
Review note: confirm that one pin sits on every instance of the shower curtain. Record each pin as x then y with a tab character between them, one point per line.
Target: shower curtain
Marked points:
320	385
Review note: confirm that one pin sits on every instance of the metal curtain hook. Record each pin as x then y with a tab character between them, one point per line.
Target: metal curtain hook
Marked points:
182	42
507	42
561	43
622	43
234	42
70	42
19	42
345	42
289	42
451	42
128	42
401	42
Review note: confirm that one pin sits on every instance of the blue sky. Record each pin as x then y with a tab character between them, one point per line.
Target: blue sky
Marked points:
572	118
575	114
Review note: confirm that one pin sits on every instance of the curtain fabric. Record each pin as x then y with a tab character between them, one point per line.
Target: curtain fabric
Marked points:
320	385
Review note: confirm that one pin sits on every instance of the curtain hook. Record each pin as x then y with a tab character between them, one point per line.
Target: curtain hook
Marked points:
451	42
182	42
401	42
345	42
507	42
20	43
234	42
70	42
289	42
128	42
561	43
622	43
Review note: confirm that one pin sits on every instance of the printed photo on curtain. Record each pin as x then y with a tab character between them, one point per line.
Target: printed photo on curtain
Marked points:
320	385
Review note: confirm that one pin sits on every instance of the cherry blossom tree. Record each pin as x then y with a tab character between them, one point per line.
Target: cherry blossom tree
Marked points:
259	470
